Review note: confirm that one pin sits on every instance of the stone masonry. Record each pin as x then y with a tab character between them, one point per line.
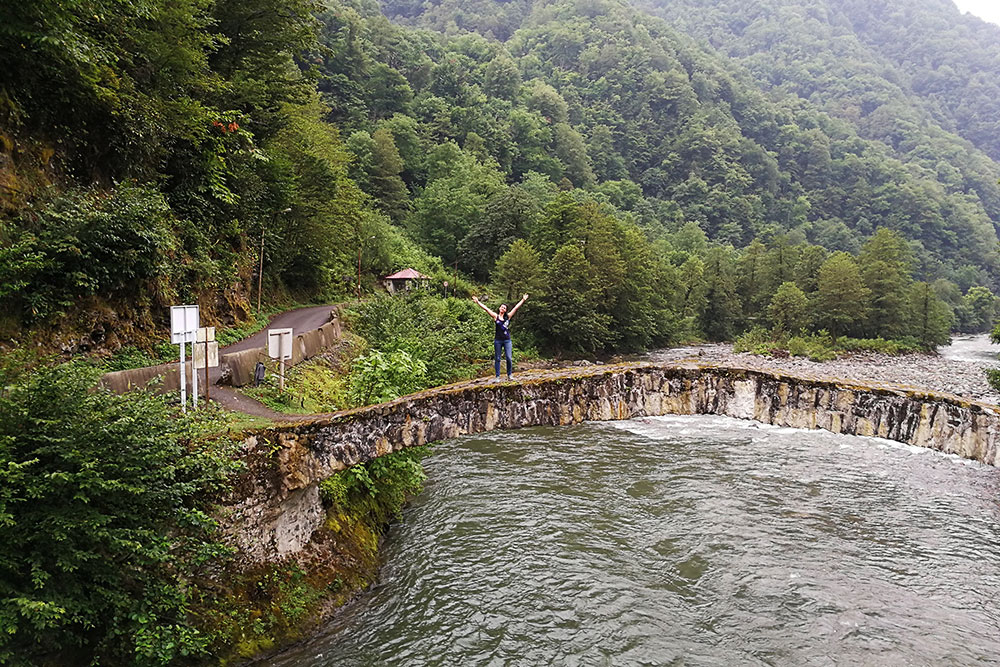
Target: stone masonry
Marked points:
275	507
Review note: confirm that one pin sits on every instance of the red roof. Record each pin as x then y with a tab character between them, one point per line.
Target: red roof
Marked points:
407	274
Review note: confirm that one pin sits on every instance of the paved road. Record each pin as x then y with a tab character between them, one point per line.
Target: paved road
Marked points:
300	320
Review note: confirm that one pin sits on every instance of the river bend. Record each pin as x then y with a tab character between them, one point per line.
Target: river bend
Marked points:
682	540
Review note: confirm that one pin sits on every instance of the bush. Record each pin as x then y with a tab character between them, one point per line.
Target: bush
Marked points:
379	488
449	336
84	243
756	341
818	346
101	526
377	377
311	387
993	377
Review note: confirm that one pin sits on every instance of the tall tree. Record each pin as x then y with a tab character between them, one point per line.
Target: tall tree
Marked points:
508	216
722	306
930	319
841	300
568	309
788	310
885	268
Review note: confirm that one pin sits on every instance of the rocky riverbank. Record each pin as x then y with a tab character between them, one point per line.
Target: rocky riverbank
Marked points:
937	372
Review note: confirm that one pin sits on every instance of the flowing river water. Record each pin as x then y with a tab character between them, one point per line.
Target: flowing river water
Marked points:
682	541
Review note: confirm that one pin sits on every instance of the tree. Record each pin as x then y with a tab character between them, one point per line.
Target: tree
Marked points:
751	279
508	216
788	310
569	308
519	271
884	262
502	77
722	306
930	319
572	151
841	299
979	310
453	203
544	99
386	185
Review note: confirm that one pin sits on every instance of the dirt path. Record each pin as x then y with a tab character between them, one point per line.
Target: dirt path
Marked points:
236	401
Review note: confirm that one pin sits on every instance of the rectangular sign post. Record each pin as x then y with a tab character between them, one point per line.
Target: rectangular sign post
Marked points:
184	321
279	346
205	352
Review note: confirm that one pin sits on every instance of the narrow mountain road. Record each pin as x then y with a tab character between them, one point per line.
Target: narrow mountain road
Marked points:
300	320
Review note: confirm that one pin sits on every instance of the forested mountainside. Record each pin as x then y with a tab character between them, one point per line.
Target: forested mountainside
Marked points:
694	133
917	76
581	150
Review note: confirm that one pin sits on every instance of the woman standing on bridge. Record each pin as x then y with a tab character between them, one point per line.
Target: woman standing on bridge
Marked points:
501	337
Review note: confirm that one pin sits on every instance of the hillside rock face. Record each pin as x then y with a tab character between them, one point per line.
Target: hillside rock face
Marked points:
274	509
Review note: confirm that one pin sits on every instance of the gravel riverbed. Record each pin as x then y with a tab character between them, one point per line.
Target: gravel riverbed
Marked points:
953	370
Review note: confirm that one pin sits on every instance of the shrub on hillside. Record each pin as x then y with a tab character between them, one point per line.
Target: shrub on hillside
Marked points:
101	522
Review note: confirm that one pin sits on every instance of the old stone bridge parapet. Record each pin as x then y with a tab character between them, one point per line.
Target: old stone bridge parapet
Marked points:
275	507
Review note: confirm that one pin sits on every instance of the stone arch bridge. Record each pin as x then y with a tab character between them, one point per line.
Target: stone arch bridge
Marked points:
275	506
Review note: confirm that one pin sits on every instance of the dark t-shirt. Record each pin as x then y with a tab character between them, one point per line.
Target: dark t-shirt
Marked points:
502	329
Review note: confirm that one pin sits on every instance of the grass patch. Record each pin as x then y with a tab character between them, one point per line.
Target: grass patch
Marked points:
314	386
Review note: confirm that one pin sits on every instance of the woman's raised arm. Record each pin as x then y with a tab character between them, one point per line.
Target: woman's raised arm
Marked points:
480	304
519	303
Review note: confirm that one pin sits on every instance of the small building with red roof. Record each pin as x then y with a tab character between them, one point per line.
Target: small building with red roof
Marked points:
405	280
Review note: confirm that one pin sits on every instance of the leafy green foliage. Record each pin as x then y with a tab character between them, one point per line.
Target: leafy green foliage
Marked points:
101	520
83	243
789	309
841	300
993	377
377	377
315	386
378	488
441	341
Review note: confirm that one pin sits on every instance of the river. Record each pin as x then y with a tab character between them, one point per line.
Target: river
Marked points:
683	541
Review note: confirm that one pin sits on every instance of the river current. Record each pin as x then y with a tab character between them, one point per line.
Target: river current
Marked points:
682	541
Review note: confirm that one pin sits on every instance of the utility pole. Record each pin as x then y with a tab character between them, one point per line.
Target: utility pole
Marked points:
361	243
260	271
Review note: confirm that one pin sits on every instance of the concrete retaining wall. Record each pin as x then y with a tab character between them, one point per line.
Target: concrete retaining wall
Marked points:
236	368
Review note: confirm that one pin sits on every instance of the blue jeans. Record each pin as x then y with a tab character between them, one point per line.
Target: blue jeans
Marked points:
505	347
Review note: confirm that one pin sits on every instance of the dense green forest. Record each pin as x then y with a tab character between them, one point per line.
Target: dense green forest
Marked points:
787	173
594	152
918	77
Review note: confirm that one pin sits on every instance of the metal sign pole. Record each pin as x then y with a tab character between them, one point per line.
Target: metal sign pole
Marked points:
194	379
281	382
206	370
183	380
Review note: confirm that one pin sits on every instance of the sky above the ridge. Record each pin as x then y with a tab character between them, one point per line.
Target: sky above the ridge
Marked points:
988	10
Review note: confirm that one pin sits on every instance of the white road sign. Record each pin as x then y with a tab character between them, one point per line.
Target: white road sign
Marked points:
213	354
279	343
184	322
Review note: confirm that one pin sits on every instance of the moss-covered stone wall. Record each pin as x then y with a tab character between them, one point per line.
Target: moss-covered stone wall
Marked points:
275	509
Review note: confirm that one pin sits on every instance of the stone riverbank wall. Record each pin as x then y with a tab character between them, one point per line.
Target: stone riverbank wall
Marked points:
275	507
